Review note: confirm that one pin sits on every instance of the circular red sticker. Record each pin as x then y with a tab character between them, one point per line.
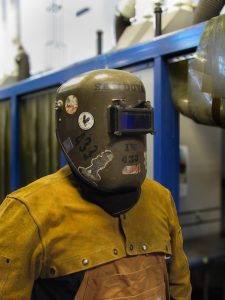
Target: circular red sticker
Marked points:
71	104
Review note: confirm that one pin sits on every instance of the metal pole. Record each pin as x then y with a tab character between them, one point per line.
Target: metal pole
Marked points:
99	41
15	147
158	19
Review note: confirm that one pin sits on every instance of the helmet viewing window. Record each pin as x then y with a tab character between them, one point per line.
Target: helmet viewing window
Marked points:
130	120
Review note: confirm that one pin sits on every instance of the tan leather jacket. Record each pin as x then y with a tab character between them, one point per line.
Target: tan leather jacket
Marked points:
48	230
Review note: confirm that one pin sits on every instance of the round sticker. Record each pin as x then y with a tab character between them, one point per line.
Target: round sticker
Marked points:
86	120
71	104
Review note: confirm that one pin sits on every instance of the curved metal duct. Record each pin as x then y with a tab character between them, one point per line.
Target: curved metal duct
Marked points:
198	85
187	97
207	9
179	77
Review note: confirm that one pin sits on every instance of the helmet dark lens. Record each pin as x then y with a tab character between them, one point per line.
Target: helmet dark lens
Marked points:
135	121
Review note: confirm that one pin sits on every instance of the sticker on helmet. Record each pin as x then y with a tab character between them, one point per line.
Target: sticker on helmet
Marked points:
131	170
71	104
97	164
86	120
68	145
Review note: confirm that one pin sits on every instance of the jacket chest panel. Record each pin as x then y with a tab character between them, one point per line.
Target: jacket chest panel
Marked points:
86	236
146	235
96	242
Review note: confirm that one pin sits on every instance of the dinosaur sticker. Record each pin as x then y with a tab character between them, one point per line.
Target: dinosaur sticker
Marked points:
97	164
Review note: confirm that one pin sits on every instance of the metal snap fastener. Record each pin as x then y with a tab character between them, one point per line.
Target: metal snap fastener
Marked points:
85	261
115	251
131	247
58	104
52	271
144	247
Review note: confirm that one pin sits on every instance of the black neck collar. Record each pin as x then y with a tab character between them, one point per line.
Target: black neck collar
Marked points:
113	203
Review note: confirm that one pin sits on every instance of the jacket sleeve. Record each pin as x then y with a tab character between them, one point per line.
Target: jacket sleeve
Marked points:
179	274
21	252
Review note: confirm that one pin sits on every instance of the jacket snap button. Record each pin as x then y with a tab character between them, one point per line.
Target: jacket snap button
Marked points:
144	247
115	251
85	261
131	247
52	271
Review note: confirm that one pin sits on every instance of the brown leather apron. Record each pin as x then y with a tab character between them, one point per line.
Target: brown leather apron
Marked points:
142	277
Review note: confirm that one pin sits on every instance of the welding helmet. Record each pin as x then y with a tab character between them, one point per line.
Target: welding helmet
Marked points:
102	118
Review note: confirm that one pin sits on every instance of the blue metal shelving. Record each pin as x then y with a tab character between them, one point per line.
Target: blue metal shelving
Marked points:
166	144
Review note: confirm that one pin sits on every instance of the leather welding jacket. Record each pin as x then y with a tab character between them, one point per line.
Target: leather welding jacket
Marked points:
47	231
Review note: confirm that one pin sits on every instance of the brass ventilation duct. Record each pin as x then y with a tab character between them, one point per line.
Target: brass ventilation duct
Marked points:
207	9
198	84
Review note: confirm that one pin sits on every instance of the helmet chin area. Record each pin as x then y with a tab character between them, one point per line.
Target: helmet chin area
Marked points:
121	167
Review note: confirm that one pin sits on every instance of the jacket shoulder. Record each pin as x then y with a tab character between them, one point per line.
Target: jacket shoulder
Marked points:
155	187
155	194
42	185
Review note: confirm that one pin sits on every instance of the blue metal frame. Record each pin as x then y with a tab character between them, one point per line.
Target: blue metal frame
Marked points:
165	45
166	140
166	145
14	155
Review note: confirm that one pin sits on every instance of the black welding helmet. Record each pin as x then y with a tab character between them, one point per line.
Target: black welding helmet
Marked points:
102	118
